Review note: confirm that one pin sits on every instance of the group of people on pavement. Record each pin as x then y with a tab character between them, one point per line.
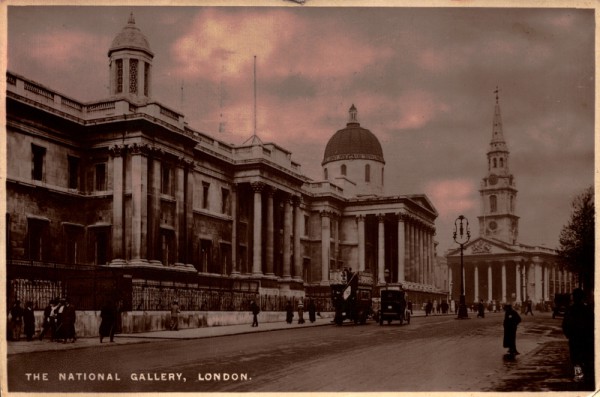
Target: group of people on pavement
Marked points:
289	312
59	321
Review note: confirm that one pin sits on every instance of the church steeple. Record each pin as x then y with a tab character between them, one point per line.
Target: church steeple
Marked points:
498	189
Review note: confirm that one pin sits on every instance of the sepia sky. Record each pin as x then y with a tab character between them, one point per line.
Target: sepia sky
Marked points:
422	79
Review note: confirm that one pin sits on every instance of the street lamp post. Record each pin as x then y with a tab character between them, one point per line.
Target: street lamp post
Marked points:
462	235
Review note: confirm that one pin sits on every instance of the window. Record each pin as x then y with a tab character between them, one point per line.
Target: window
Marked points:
165	181
495	163
493	204
36	235
206	262
306	219
73	172
39	153
382	176
368	173
133	72
119	63
225	203
100	177
167	247
501	162
344	169
73	243
205	189
100	241
325	174
146	78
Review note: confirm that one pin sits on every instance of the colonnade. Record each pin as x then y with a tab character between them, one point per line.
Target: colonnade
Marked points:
533	280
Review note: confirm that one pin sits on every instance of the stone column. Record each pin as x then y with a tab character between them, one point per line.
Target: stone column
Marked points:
504	282
336	240
450	282
257	229
118	255
476	283
287	234
269	254
297	232
538	279
490	294
325	245
360	222
546	294
518	282
189	214
401	249
234	244
180	212
154	213
139	195
381	249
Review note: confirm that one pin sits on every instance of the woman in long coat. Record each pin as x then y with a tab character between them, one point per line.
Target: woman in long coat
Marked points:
511	321
289	312
109	321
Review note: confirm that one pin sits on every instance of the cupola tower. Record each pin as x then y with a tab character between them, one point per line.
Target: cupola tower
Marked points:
130	65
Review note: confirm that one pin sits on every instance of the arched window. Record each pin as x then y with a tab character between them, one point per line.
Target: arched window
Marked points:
344	169
501	162
512	204
325	173
495	164
368	173
382	176
493	204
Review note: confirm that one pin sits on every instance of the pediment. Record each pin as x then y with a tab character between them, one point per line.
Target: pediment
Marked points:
483	246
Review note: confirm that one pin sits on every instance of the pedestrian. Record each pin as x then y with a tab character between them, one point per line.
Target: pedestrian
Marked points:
29	320
300	312
428	308
480	309
108	323
69	317
511	321
16	320
60	328
289	312
409	305
49	321
529	308
254	309
578	327
174	325
312	311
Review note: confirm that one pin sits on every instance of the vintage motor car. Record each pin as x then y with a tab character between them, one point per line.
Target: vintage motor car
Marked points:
393	307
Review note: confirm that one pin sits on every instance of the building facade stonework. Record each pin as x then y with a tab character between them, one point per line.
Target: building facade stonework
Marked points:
497	268
121	195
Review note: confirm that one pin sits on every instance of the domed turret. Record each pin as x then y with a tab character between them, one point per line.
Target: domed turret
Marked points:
354	158
130	64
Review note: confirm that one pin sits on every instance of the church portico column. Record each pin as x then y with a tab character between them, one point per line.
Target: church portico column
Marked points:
117	232
287	234
489	274
269	254
297	231
325	245
537	279
257	229
401	248
381	249
476	282
504	282
360	223
518	282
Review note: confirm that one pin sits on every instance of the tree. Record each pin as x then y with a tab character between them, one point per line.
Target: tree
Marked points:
576	240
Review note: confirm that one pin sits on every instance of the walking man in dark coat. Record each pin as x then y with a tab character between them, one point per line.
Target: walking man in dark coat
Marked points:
68	322
16	320
578	327
312	311
108	323
254	309
29	321
289	312
511	321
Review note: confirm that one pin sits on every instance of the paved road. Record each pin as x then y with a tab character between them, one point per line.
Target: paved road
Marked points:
436	353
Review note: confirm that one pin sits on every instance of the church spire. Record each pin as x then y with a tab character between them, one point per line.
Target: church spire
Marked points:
497	143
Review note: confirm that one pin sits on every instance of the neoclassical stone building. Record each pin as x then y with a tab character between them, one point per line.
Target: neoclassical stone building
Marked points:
496	266
121	195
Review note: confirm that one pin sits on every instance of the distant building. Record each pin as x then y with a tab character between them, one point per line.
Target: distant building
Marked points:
496	266
121	198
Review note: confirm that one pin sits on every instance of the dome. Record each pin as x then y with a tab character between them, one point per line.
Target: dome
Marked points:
353	142
130	38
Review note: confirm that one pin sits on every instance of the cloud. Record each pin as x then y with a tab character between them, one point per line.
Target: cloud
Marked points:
454	196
